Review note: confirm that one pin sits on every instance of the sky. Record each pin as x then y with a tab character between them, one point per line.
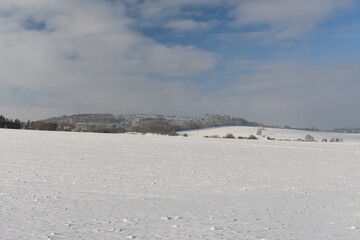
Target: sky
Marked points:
281	62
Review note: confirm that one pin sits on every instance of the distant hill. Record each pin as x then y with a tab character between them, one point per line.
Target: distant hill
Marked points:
140	122
347	130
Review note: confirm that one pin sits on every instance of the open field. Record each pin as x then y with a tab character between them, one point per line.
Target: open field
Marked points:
278	134
59	185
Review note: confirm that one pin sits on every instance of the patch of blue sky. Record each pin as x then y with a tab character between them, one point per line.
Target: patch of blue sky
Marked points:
336	51
228	41
34	25
331	46
335	41
207	13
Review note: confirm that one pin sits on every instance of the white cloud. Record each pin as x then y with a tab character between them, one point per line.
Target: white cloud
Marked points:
187	25
85	56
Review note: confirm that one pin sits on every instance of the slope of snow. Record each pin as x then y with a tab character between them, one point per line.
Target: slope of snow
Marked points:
56	185
279	134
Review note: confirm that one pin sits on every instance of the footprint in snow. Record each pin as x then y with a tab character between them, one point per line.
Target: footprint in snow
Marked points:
213	228
131	237
171	218
51	235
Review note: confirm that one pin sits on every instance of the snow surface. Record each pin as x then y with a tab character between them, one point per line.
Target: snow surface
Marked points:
278	134
58	185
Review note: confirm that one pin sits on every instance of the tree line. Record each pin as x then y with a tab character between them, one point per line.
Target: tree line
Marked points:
9	123
147	125
17	124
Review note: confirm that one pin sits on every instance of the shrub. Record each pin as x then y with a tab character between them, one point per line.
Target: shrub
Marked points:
252	137
214	136
309	138
336	140
230	135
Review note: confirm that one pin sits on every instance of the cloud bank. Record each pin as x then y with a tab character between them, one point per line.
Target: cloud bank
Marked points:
83	55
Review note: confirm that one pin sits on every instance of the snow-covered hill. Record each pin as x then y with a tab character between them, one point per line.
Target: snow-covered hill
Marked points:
132	122
59	185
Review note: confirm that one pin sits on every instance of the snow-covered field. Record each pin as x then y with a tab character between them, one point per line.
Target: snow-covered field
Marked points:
278	134
57	185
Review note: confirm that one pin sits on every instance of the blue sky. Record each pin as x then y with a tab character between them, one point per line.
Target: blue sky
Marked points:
282	62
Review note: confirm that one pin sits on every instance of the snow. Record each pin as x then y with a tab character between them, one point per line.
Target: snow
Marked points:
59	185
279	134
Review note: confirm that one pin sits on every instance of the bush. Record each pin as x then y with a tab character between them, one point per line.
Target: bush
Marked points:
309	138
230	135
252	137
336	140
214	136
